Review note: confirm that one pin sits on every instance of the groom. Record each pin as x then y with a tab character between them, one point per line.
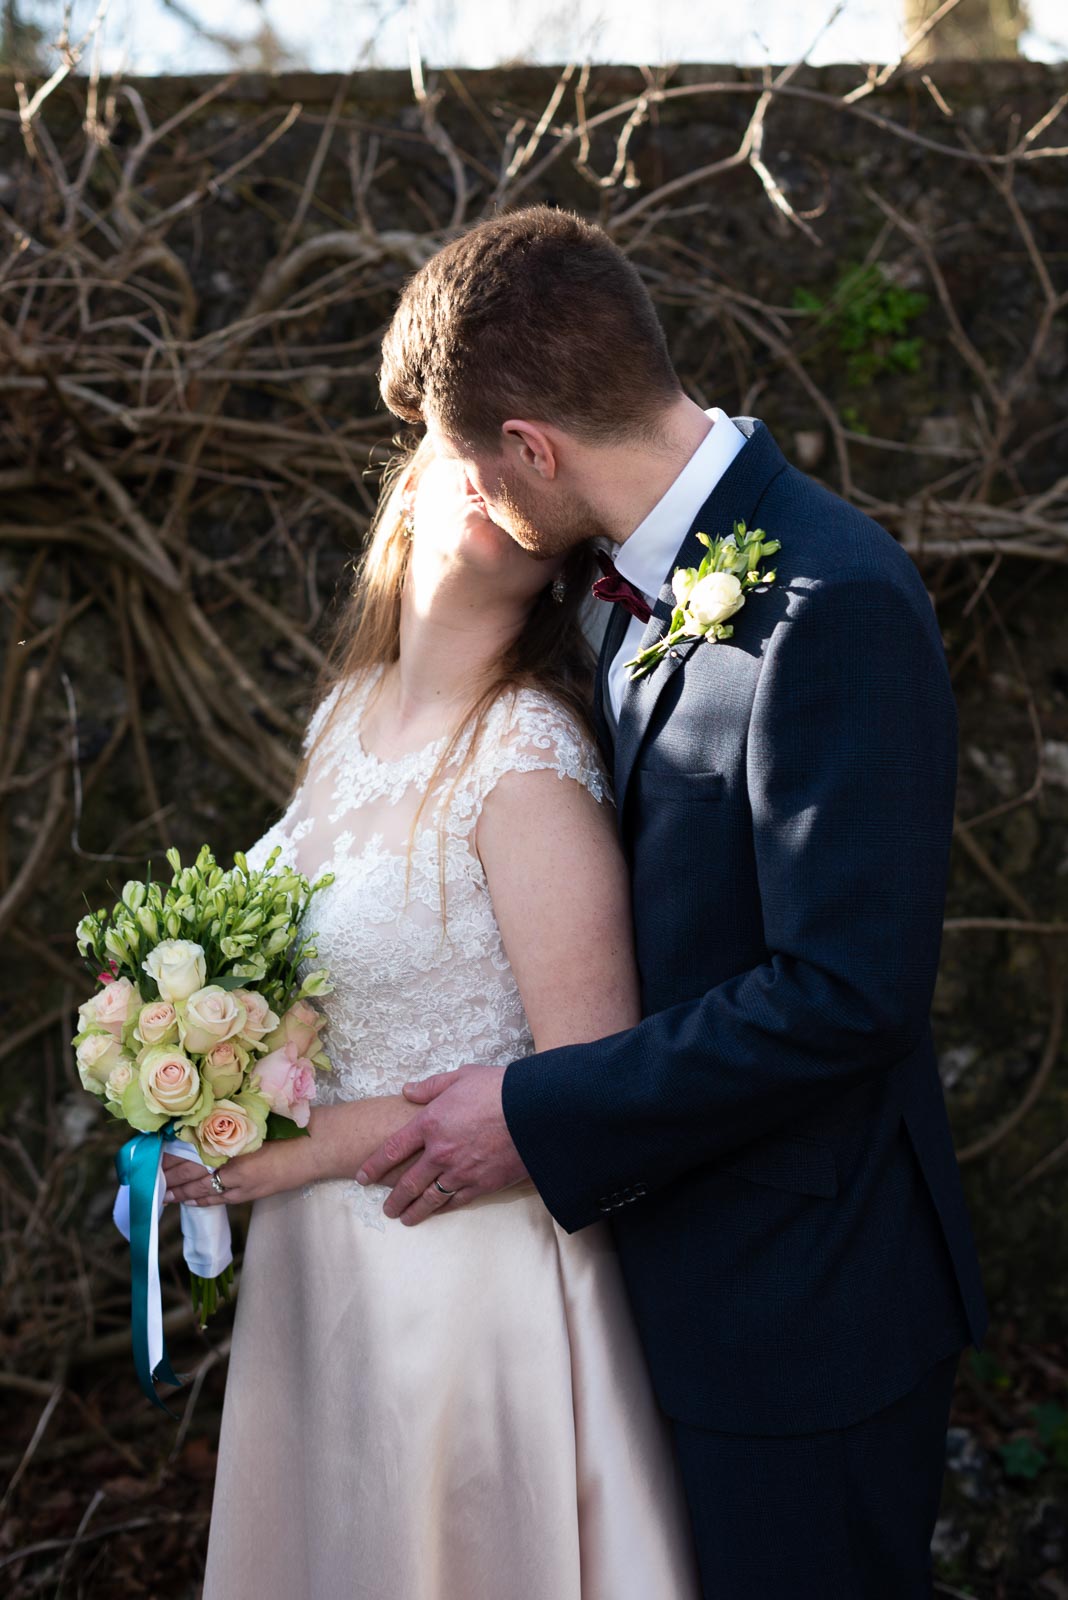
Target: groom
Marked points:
770	1142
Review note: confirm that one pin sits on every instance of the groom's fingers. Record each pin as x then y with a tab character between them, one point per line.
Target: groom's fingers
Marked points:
427	1089
413	1186
400	1146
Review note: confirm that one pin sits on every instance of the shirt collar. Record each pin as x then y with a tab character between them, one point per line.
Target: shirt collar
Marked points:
645	558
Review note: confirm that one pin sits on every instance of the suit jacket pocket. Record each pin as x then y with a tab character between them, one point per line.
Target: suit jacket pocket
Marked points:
801	1166
666	783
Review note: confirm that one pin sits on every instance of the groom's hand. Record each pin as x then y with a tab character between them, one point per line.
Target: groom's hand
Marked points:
461	1140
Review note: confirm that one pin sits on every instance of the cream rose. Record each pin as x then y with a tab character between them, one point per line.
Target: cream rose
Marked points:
119	1080
713	599
223	1068
170	1082
209	1016
259	1018
157	1023
228	1130
95	1057
177	966
286	1080
111	1006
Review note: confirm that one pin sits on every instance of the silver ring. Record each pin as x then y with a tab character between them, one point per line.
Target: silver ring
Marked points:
217	1184
440	1187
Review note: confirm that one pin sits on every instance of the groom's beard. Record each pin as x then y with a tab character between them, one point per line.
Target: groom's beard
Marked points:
545	525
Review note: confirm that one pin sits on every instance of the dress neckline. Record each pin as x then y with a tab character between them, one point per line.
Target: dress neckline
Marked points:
378	763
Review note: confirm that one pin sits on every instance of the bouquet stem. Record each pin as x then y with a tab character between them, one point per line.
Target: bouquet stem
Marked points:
207	1292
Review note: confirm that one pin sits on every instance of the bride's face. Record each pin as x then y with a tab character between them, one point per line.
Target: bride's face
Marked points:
451	520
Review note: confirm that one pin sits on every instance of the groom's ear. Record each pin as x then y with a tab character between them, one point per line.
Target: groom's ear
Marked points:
533	446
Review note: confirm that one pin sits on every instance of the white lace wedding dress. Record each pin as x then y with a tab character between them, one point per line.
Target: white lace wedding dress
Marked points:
457	1411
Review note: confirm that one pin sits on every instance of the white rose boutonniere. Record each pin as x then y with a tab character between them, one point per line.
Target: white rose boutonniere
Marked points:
706	596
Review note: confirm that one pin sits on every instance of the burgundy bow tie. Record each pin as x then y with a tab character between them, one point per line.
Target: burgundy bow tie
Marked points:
615	587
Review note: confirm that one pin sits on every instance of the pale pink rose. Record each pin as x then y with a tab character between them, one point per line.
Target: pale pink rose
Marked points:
169	1081
259	1018
209	1016
110	1007
223	1067
119	1079
228	1130
286	1080
95	1057
299	1026
156	1021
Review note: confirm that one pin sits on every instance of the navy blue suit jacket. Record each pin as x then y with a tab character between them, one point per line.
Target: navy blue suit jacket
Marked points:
771	1141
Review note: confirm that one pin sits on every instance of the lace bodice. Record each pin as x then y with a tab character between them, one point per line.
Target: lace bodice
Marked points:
412	995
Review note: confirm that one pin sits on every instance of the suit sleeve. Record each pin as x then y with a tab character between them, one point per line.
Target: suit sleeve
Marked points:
851	773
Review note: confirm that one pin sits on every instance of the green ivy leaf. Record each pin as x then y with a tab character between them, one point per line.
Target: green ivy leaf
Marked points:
1022	1459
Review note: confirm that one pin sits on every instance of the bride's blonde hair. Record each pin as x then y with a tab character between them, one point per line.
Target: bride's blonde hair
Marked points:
551	651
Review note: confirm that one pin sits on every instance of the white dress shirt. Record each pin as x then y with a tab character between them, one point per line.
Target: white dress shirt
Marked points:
646	558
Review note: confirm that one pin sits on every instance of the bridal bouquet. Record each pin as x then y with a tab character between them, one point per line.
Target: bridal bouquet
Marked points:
201	1038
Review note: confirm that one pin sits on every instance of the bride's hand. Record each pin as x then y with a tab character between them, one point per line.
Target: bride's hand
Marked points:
277	1166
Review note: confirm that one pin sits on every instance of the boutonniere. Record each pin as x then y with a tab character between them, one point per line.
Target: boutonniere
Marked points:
707	595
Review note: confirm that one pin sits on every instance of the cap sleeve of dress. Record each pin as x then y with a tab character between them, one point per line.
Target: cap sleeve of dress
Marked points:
530	732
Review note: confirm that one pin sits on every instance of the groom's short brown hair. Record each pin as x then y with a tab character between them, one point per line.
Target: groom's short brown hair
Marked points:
534	314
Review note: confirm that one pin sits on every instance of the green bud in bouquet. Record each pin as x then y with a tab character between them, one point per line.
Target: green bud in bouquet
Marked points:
205	859
87	934
116	945
133	895
174	859
317	983
241	861
172	922
146	921
255	968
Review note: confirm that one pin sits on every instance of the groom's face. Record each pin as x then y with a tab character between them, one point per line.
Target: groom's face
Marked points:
545	519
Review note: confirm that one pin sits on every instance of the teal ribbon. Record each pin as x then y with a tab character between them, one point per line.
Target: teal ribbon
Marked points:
138	1164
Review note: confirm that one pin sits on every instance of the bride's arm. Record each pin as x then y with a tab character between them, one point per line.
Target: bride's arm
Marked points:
558	882
341	1137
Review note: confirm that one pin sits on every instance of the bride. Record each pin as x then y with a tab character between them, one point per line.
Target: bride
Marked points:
459	1412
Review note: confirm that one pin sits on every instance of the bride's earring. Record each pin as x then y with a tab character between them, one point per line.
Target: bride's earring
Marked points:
408	525
559	590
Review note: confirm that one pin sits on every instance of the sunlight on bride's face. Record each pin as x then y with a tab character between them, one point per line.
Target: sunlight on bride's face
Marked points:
451	518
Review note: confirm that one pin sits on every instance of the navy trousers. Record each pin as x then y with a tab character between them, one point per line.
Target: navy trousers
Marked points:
846	1515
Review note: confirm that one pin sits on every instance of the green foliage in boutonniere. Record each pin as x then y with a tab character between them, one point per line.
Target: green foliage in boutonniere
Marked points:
707	595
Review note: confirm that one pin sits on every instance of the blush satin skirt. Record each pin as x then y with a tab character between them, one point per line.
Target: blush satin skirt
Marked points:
456	1411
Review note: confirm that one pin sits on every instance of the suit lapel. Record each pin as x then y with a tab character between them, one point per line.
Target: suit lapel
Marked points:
734	499
603	716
